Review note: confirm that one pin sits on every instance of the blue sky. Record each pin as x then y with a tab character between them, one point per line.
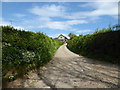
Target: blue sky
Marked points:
60	17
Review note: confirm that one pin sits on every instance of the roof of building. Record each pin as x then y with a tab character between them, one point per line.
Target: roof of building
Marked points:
63	36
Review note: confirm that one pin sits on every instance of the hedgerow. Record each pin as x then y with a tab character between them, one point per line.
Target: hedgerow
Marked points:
101	45
25	50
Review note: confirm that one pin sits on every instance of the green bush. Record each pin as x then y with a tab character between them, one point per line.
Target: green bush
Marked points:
102	45
25	50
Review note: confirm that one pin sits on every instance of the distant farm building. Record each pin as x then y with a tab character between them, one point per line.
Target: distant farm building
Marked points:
62	38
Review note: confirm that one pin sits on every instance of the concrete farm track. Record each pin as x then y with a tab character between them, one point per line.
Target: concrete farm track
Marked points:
69	70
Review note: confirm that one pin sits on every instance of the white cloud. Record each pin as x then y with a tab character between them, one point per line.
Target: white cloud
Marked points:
19	15
83	31
48	10
74	22
55	25
60	0
110	8
44	19
45	15
4	23
101	8
63	25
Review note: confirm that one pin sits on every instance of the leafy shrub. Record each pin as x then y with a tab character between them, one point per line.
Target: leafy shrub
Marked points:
103	45
103	30
25	50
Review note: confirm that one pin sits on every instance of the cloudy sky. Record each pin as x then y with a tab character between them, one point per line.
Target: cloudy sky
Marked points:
60	17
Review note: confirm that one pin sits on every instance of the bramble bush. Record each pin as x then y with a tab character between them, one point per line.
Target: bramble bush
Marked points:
25	50
101	45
